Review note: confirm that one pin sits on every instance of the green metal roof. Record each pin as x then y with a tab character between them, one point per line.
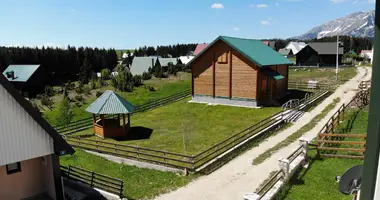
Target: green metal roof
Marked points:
22	73
272	73
254	50
110	103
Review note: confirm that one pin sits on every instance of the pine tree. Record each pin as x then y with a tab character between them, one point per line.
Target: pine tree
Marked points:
84	73
65	114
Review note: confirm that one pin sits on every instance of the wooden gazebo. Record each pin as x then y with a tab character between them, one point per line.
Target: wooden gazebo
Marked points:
110	103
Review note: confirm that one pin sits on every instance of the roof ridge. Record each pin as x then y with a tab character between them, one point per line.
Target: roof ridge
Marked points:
239	38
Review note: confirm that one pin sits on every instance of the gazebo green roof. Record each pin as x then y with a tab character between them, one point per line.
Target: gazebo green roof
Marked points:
110	103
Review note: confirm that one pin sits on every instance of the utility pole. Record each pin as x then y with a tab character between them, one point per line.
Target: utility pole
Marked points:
337	57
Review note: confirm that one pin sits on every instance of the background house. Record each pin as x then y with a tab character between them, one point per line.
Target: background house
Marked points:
199	48
296	46
327	53
271	44
287	53
368	54
307	56
29	150
165	62
185	59
28	79
236	71
142	64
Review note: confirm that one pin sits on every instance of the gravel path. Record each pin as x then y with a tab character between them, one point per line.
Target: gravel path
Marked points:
239	176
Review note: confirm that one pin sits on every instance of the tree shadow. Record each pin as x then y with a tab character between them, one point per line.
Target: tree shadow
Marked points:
136	133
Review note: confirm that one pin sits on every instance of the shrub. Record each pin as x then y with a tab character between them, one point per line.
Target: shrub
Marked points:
137	80
79	89
46	100
70	86
65	114
86	90
146	76
93	84
123	81
150	88
98	94
49	91
106	73
79	98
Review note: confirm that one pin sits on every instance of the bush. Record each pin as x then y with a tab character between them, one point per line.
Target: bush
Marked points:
146	76
98	94
137	80
86	90
70	86
93	84
46	100
123	81
49	91
65	114
79	89
106	73
79	98
150	88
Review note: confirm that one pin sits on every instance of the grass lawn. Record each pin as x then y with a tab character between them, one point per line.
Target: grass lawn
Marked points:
318	182
139	183
203	125
164	87
320	74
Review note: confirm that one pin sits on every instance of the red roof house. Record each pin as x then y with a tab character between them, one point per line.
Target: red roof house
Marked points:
200	48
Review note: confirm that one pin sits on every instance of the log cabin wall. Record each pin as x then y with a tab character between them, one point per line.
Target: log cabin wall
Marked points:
223	72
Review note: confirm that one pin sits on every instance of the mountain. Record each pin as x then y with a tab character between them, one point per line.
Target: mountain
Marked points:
360	24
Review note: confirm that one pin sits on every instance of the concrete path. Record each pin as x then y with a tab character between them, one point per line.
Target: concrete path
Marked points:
239	176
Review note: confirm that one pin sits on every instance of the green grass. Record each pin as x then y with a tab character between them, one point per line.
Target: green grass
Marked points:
293	137
139	183
203	125
320	74
164	87
317	182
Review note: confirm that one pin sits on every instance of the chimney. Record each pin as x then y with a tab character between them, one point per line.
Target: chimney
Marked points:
11	74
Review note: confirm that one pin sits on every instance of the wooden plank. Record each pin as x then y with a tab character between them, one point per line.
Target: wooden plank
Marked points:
230	74
341	156
341	142
342	149
343	135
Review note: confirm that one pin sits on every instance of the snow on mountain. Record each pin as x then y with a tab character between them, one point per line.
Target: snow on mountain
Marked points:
360	24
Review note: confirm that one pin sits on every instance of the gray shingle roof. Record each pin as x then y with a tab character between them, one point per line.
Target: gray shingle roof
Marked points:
325	48
166	61
142	64
284	52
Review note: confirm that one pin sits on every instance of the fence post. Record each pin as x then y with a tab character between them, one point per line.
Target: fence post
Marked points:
121	189
138	153
115	148
69	171
284	167
92	179
165	156
305	151
344	108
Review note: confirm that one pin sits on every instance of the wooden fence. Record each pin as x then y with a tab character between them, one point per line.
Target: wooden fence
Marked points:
305	85
94	180
196	162
331	139
87	123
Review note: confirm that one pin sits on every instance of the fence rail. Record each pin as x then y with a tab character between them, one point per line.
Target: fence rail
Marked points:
94	180
86	123
190	162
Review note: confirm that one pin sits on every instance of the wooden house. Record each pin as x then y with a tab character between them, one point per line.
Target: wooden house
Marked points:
29	80
241	72
307	56
29	150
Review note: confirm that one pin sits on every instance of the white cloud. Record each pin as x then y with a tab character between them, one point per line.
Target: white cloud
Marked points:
266	21
258	6
236	29
277	4
217	6
337	1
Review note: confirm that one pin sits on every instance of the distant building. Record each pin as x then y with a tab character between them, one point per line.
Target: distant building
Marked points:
185	59
29	80
237	71
271	44
142	64
327	53
367	54
199	48
164	62
286	52
296	46
307	56
29	150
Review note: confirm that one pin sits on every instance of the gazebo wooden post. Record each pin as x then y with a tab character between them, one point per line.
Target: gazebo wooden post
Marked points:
124	121
94	122
129	120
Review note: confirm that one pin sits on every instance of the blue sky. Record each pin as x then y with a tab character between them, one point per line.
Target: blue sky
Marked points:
125	24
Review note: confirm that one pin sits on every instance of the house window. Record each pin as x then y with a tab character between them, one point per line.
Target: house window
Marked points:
13	168
223	58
